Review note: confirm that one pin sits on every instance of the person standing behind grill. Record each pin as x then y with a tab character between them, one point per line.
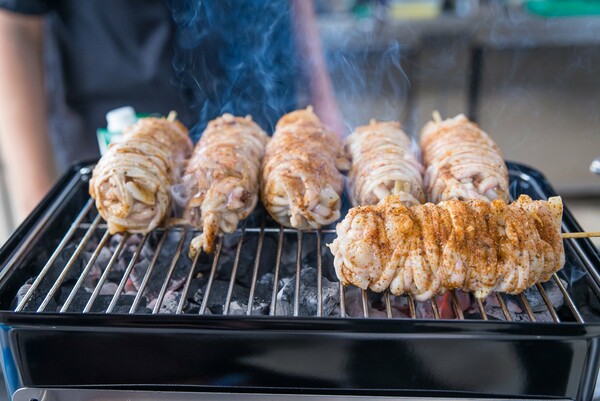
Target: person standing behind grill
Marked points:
201	58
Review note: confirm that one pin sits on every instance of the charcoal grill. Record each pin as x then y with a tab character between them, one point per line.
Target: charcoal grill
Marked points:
87	313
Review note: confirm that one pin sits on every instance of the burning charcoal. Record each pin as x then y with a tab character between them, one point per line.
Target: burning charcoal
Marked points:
138	272
354	305
21	293
161	268
237	308
554	295
246	259
102	302
169	304
218	295
308	295
61	261
141	310
492	308
309	255
195	291
36	297
109	288
264	287
103	259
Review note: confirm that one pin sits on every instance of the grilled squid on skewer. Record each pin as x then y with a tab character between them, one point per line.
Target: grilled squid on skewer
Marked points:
131	183
462	162
471	245
383	164
301	179
221	179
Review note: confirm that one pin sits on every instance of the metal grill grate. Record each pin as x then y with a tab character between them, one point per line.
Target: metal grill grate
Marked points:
87	239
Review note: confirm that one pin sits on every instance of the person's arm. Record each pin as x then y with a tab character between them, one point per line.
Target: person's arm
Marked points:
313	64
25	147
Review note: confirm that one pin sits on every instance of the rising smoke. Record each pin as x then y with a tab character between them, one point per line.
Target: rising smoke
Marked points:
235	57
240	57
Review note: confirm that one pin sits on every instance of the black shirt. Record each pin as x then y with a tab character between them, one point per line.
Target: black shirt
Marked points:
200	58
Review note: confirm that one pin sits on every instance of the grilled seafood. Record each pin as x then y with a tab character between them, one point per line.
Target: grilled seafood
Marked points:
301	182
221	179
462	162
383	164
471	245
131	182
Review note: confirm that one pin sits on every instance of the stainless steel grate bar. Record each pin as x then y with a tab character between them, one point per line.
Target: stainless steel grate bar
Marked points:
456	304
63	274
211	278
411	307
261	238
365	303
298	267
188	281
528	309
547	301
269	230
388	305
434	308
106	272
85	271
319	277
568	299
148	273
132	262
165	285
481	308
236	263
342	301
54	256
273	308
503	306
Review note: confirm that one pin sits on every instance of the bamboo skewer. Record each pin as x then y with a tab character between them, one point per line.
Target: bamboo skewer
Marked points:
438	119
172	116
590	234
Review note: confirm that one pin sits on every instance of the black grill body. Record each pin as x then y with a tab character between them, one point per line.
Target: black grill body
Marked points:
335	355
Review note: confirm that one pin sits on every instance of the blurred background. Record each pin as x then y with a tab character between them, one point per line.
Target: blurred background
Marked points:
527	71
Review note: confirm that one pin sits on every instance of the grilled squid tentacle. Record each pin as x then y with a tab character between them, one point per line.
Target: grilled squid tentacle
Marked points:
221	178
132	181
301	181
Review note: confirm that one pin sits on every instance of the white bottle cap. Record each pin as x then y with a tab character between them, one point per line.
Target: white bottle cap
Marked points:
121	118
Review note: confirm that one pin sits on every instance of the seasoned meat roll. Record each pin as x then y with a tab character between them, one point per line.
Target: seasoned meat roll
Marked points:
462	162
221	179
131	182
383	164
472	245
301	181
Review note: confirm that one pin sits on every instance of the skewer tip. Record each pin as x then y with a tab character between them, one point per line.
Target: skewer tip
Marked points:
590	234
437	117
172	116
